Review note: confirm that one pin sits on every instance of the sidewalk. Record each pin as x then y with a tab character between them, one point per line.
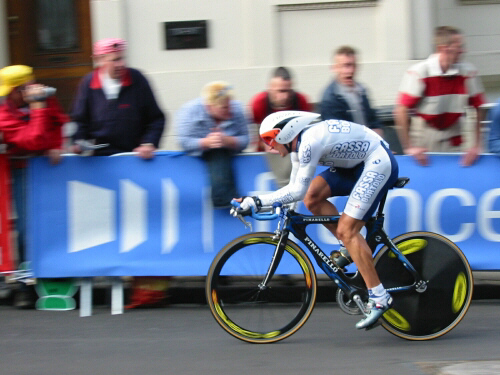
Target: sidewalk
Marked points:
462	368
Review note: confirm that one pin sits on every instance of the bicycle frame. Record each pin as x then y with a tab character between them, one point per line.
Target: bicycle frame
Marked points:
296	224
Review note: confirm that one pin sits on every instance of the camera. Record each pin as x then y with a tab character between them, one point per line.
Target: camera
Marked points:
46	92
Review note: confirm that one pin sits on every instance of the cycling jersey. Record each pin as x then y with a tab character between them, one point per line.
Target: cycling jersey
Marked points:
361	166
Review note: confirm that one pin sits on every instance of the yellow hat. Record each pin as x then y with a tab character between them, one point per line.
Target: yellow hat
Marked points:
13	76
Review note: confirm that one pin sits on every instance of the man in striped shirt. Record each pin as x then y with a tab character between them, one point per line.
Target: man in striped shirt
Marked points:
439	89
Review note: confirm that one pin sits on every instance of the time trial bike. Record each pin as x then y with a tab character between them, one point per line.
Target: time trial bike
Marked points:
262	287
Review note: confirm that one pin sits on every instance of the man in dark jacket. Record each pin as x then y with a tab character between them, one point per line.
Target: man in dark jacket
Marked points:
345	98
115	106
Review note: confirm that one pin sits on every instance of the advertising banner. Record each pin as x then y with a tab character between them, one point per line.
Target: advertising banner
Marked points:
6	263
123	216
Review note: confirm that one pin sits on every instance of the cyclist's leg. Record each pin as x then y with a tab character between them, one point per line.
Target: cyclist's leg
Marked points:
380	301
338	182
316	201
349	233
378	175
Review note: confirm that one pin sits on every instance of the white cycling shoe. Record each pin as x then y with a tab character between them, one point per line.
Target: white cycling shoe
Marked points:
376	311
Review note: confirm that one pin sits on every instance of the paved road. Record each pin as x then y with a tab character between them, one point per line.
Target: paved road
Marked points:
184	339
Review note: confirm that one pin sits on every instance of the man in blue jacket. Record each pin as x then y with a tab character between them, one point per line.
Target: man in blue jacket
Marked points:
345	98
215	128
115	106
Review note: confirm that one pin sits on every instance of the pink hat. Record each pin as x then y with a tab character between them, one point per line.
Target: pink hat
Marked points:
109	45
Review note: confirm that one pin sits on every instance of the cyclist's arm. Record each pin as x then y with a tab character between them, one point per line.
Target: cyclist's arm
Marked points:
295	166
307	159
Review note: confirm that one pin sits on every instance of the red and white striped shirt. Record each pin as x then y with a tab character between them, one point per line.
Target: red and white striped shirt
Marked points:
440	98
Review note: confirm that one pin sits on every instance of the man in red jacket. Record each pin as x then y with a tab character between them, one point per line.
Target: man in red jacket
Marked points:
30	123
279	96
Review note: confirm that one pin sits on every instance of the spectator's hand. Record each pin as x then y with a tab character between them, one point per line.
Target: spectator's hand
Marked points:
30	92
54	155
470	157
146	151
419	153
75	149
213	140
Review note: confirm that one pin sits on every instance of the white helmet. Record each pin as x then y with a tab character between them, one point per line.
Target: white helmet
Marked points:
282	127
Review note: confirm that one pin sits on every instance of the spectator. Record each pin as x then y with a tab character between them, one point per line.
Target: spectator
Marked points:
345	98
116	106
438	89
494	135
30	122
279	96
214	127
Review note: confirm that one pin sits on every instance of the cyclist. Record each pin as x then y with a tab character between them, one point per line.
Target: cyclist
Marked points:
361	166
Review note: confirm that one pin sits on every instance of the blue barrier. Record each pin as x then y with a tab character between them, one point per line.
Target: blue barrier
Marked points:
123	216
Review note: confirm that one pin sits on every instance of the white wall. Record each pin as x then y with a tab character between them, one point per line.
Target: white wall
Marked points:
248	38
481	27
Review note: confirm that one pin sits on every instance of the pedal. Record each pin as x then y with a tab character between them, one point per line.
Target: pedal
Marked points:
360	304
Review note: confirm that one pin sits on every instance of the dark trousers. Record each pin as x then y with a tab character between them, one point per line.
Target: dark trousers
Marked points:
220	170
19	195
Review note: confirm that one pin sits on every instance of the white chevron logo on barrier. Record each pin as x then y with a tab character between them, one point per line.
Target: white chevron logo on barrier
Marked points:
170	215
133	215
92	212
92	216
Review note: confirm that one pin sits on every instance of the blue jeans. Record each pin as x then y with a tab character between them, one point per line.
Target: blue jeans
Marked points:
220	169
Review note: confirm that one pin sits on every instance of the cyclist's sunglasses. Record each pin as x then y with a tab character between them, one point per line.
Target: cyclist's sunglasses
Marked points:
269	137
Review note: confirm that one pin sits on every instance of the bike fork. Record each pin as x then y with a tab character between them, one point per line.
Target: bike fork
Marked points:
275	261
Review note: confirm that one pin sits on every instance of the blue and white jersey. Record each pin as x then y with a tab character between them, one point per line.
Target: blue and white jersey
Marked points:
337	144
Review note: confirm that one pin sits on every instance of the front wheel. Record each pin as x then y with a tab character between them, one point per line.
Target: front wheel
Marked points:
249	310
436	310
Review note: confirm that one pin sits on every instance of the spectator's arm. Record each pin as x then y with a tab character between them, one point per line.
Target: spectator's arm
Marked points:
410	92
29	136
81	111
472	154
476	99
402	119
154	117
186	123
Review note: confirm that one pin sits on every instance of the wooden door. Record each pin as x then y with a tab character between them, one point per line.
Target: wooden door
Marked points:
54	37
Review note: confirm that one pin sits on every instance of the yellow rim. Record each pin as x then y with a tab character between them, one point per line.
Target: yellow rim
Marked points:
396	320
410	247
459	293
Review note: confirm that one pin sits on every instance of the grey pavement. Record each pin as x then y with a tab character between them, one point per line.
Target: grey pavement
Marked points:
184	339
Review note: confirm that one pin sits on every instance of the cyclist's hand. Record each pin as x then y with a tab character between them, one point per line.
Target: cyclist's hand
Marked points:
247	205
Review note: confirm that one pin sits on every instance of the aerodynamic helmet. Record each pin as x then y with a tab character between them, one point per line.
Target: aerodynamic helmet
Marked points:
282	127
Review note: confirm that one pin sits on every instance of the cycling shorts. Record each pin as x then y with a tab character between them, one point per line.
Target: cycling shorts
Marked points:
365	184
